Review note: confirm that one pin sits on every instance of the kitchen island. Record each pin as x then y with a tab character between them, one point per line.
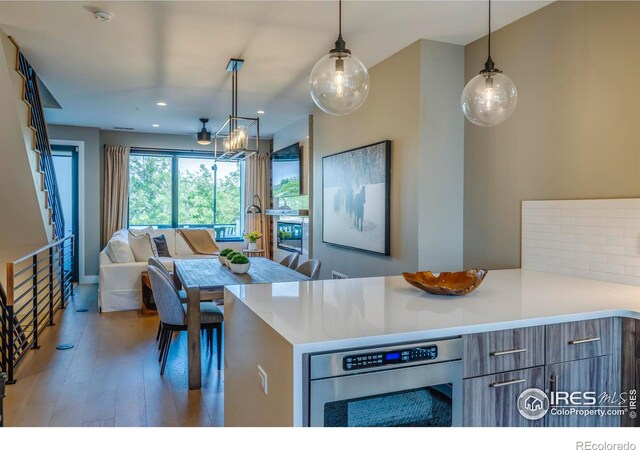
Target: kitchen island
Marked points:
271	329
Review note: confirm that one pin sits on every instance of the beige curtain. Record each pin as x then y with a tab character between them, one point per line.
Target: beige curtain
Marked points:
256	182
116	190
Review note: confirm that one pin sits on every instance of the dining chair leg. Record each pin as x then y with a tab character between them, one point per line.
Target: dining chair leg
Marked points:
163	343
219	344
159	330
161	337
210	340
166	352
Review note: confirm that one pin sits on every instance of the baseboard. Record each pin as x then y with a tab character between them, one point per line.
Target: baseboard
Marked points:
89	279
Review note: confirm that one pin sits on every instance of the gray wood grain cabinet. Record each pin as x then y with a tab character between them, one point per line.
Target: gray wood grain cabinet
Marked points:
580	356
584	375
579	340
491	401
491	386
501	351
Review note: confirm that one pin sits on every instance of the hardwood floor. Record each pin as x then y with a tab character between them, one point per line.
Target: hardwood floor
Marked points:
111	377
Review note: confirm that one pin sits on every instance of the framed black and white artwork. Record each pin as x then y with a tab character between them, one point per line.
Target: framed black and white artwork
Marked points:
355	198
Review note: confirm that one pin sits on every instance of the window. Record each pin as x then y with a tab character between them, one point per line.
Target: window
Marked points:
171	190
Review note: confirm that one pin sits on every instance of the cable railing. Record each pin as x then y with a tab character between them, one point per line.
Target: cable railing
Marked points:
38	124
38	285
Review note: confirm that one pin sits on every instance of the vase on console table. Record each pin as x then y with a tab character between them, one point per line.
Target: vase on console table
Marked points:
253	246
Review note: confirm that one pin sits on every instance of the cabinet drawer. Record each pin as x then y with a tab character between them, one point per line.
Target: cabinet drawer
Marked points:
502	351
579	340
492	401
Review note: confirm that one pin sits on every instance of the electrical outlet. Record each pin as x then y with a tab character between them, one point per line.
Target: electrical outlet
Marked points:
337	275
263	380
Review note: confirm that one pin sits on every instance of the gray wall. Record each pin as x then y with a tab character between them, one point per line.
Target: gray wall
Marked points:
92	191
574	134
426	163
441	161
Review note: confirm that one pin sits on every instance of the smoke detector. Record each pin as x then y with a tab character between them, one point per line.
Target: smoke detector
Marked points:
103	16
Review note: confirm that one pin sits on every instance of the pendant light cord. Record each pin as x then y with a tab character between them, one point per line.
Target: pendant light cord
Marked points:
489	50
339	17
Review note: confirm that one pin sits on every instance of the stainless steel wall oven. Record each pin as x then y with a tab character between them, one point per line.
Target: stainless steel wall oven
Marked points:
412	385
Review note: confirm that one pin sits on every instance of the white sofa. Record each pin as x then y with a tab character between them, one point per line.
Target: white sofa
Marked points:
120	286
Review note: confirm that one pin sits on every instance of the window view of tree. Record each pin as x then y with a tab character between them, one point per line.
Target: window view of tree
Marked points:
196	191
150	199
149	190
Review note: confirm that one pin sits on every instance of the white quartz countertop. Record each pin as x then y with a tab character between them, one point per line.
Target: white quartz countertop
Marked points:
337	314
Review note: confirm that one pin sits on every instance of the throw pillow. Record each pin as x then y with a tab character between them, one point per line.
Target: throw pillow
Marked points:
142	247
141	231
119	251
162	249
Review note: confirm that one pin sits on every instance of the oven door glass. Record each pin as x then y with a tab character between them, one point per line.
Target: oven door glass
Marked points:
424	407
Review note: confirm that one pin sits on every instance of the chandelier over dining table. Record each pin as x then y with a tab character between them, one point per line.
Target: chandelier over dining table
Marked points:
234	141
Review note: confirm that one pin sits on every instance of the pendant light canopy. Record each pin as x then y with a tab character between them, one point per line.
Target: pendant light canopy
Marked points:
204	136
339	82
491	97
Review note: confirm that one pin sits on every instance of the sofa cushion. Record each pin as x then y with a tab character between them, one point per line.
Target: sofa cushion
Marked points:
142	247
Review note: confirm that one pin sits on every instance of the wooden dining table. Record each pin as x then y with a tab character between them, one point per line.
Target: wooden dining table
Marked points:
205	279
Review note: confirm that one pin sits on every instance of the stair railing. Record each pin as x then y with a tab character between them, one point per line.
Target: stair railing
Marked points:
42	146
38	285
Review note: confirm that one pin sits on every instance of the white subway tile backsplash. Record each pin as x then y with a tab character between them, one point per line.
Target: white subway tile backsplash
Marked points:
623	222
591	239
596	239
586	204
632	232
622	279
622	241
606	231
632	251
606	267
607	249
588	256
590	221
624	203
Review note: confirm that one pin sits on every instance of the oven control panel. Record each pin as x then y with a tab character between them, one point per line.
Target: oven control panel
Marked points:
401	356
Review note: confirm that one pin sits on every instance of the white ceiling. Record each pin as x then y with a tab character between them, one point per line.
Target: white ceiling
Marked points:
112	74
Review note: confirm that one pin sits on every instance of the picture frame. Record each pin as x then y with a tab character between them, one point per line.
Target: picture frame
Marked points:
356	198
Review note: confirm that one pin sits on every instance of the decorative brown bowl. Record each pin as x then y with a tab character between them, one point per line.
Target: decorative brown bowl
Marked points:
446	283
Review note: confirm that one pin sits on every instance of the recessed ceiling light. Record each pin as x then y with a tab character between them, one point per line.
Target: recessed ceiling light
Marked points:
260	111
103	16
155	125
161	104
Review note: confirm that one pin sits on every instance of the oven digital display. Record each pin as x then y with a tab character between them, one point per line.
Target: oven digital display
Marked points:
395	356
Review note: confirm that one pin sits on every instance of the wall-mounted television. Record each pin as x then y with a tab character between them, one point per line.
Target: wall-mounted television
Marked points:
286	170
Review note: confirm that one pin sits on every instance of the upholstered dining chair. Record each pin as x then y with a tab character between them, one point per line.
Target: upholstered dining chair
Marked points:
173	316
310	268
290	261
155	262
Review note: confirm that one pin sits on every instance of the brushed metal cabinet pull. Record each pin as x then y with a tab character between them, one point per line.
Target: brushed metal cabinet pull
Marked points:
507	383
508	352
584	341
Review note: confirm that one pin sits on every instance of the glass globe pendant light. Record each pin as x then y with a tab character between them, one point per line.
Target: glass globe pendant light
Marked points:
339	82
490	97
